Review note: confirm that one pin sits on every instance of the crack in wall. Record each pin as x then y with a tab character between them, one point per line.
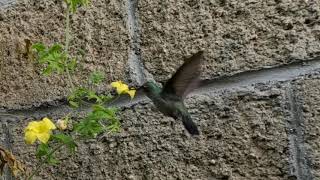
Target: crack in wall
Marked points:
299	167
135	63
268	75
7	145
134	57
235	82
7	135
6	3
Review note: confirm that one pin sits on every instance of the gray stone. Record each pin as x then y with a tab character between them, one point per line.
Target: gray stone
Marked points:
244	134
310	94
236	35
99	31
257	121
6	3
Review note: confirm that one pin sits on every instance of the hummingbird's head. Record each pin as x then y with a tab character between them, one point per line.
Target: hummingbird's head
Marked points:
148	86
151	87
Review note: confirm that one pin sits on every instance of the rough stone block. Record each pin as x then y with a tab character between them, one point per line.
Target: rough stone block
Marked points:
243	136
310	94
236	35
99	31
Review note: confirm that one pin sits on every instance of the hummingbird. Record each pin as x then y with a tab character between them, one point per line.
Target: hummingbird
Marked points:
169	100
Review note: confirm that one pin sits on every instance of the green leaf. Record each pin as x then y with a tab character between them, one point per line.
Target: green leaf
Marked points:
93	123
52	58
74	104
97	108
83	94
114	126
96	77
101	112
89	127
47	71
52	160
55	48
67	140
92	96
77	95
74	4
42	150
106	98
72	64
38	47
104	113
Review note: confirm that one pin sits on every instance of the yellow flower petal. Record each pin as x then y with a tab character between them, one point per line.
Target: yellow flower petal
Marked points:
43	137
131	93
48	123
116	84
32	125
39	130
30	137
120	87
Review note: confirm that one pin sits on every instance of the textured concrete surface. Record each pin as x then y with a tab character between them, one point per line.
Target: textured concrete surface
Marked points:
299	160
310	94
100	31
243	137
238	35
257	111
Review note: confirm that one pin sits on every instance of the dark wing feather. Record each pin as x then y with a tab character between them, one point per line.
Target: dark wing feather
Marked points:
186	78
189	124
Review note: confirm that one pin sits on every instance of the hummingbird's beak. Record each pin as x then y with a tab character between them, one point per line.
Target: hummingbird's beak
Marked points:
140	89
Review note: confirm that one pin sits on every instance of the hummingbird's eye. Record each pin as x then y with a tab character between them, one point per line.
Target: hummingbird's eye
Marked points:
145	87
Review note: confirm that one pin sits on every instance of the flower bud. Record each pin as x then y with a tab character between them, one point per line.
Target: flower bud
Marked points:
62	124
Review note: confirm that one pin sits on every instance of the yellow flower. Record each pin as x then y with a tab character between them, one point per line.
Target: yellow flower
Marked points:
131	93
39	130
123	88
62	124
120	87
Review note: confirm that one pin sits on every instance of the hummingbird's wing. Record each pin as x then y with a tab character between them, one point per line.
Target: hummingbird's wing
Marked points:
186	78
189	124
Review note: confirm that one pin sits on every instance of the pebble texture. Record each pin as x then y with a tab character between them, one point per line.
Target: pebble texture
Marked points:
258	113
238	35
238	141
310	92
99	31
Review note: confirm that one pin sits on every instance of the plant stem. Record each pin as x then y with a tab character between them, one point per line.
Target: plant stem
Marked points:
66	50
114	100
66	46
37	169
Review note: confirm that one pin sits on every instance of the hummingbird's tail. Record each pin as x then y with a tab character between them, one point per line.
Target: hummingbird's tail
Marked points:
190	125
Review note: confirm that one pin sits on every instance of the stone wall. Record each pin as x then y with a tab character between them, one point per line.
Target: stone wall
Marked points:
258	109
